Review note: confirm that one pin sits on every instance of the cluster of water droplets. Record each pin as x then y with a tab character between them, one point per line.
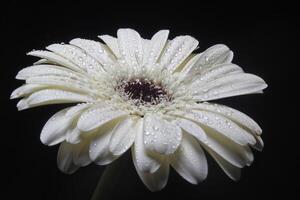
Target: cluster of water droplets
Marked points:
165	133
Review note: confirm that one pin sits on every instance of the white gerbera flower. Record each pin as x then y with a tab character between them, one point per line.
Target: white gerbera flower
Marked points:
149	96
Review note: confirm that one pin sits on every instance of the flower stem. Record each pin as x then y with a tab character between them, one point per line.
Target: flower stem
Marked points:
111	178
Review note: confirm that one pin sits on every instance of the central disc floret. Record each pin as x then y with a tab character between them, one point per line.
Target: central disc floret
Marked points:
143	91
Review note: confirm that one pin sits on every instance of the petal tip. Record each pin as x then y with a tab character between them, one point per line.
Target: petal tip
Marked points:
14	95
22	105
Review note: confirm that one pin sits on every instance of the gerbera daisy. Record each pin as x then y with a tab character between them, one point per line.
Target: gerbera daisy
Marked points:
149	96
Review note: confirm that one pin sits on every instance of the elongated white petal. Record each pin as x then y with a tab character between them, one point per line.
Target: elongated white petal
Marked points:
75	111
41	70
123	136
145	161
44	61
215	73
233	114
56	59
157	180
22	104
192	128
55	129
215	55
241	79
65	158
218	54
233	85
155	47
130	45
160	135
26	89
81	154
73	135
99	146
78	57
52	96
65	83
190	161
59	126
112	43
177	51
95	49
237	155
98	115
230	170
185	70
259	145
222	125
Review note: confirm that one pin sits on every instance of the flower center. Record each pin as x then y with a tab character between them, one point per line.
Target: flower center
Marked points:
143	91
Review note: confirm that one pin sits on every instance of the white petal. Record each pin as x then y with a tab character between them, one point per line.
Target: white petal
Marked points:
232	152
73	135
55	58
65	83
99	147
44	61
130	45
190	161
232	171
222	125
192	128
75	111
177	51
233	114
155	47
160	135
52	96
214	73
26	89
233	85
81	154
145	161
215	55
55	129
98	115
123	136
259	145
59	126
157	180
22	104
41	70
218	54
52	75
184	72
96	50
78	57
112	43
65	158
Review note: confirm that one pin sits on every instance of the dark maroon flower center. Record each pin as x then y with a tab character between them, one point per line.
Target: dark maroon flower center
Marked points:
144	91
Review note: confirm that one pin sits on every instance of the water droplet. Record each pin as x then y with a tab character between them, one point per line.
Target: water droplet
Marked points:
100	50
155	128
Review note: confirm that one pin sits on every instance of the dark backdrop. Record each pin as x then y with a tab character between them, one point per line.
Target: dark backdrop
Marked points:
263	38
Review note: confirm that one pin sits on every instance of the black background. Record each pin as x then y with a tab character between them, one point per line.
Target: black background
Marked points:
263	38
